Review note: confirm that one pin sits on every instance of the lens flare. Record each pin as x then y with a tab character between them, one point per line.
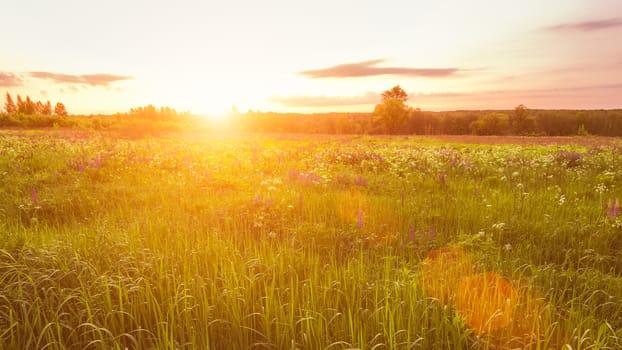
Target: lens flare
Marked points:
442	271
485	301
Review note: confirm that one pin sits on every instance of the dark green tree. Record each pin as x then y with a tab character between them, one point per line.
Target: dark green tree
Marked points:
9	106
29	106
393	113
60	110
395	93
39	107
47	108
20	105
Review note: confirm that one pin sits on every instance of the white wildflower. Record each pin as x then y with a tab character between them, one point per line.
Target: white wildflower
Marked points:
600	188
498	226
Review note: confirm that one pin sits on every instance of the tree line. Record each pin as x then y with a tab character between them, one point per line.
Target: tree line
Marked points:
393	117
30	107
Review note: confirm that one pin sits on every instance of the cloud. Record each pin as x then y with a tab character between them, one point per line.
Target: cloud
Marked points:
326	101
369	68
9	80
101	79
588	25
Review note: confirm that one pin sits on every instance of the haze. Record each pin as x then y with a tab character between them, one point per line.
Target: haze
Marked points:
316	56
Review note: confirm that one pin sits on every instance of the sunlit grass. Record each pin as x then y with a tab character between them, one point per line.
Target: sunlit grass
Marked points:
316	244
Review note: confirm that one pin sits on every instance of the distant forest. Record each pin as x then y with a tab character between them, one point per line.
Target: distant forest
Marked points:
520	121
391	116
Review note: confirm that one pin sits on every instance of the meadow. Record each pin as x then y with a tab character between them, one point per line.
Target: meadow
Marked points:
308	242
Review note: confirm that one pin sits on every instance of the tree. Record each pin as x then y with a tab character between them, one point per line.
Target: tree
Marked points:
59	109
493	123
39	106
9	106
20	104
393	112
29	106
520	121
395	93
47	108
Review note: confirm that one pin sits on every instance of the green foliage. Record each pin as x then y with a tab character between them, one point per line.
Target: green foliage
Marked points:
536	122
521	123
60	110
396	93
9	106
30	107
392	113
491	124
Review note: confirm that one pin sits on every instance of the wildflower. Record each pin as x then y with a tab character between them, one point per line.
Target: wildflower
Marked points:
271	234
613	208
441	178
33	195
411	234
562	199
508	247
360	219
96	162
300	200
498	226
432	233
360	181
600	188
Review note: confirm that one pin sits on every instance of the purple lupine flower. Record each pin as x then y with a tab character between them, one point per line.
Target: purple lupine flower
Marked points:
33	195
96	162
360	219
441	178
300	200
613	209
432	233
294	174
411	234
360	181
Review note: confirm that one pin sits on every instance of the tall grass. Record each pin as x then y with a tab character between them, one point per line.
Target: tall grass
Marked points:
312	244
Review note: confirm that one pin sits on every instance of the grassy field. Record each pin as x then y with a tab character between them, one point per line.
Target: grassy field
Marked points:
287	242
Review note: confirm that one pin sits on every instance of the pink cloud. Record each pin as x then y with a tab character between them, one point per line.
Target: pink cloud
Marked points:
369	68
100	79
9	80
588	25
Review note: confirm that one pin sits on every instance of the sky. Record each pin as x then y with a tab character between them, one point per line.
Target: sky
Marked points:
209	56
